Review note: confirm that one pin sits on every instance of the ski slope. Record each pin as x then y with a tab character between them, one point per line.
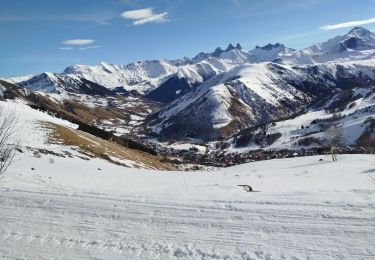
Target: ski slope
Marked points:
78	209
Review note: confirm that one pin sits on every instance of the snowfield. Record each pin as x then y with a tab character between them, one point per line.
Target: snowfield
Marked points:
304	209
55	207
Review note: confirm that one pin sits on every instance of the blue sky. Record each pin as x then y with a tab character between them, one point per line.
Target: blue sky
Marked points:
46	35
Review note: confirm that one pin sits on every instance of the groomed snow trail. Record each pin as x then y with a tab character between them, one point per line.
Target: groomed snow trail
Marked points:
44	226
306	209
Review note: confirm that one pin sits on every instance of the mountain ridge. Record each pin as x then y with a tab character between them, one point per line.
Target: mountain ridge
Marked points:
217	94
147	75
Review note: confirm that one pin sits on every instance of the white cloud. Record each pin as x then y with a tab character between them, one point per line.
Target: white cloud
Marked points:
78	42
138	14
347	24
157	18
66	48
146	15
90	47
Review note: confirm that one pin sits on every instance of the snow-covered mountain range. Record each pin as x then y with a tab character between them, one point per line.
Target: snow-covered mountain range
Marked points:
219	93
254	94
145	76
358	44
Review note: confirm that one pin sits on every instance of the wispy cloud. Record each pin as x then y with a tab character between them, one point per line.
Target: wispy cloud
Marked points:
104	22
78	42
146	15
90	47
66	48
69	48
347	24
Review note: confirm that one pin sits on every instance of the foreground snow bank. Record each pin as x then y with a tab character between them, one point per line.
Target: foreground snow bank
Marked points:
303	176
74	209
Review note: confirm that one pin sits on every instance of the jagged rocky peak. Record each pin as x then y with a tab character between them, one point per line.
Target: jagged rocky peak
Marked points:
49	76
46	74
231	47
74	68
357	38
269	52
180	62
359	32
217	51
104	64
77	68
270	46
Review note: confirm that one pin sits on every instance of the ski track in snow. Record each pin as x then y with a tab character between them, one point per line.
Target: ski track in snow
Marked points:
38	225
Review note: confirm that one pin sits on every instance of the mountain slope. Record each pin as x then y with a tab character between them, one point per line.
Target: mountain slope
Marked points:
254	94
45	135
227	103
357	44
141	76
269	52
171	89
60	83
352	110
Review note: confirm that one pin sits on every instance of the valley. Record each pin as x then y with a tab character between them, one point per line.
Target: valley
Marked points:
228	101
